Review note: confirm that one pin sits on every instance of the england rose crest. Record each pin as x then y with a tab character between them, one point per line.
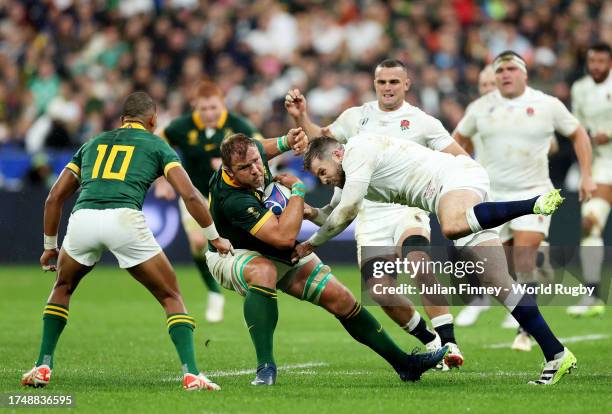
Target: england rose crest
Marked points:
404	124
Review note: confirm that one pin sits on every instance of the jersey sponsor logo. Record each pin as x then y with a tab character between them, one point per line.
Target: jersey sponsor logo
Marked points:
210	147
253	211
192	137
530	111
404	124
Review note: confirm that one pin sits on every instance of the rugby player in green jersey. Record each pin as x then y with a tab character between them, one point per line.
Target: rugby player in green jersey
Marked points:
262	260
198	136
114	171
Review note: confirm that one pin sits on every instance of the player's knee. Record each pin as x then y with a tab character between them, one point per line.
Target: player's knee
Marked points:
261	272
321	288
64	284
594	216
376	276
452	230
416	246
338	300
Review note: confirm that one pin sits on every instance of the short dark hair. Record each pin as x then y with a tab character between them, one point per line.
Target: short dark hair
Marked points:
392	63
236	144
138	105
319	148
600	47
508	53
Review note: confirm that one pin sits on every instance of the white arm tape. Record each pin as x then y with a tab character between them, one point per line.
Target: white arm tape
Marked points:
49	242
210	232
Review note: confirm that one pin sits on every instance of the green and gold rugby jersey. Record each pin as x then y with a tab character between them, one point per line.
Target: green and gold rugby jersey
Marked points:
239	213
199	143
117	167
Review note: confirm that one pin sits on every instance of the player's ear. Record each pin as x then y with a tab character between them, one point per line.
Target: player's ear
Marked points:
153	122
407	85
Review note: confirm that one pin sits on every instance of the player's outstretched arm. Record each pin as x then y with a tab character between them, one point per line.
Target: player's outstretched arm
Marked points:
196	205
295	104
282	231
352	196
65	186
584	153
295	140
319	215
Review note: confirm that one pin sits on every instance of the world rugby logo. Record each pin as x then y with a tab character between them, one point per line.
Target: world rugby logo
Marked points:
276	197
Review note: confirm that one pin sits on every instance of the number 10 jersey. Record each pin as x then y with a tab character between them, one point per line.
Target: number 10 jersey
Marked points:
117	167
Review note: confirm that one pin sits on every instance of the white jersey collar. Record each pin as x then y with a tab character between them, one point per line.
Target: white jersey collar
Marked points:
406	107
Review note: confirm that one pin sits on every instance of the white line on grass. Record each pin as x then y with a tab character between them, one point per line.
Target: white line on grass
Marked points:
568	340
239	372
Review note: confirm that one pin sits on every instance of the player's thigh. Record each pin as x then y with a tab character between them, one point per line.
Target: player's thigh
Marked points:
127	236
314	282
84	236
69	272
244	268
453	206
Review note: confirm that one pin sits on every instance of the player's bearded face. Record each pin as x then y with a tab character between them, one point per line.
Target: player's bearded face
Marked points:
210	109
329	172
598	65
511	80
249	171
391	85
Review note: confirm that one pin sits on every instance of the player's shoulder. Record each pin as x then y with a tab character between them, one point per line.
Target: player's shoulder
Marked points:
582	84
538	96
484	101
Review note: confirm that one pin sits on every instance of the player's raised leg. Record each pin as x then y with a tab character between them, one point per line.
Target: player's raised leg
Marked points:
315	283
157	275
55	316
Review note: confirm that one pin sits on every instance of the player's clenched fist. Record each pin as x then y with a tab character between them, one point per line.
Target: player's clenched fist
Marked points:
295	103
297	140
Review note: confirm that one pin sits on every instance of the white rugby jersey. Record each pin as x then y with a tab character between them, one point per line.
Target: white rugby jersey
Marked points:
592	105
407	122
515	136
396	171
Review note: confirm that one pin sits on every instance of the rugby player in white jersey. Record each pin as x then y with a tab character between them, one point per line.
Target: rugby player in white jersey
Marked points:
389	225
515	124
592	105
386	169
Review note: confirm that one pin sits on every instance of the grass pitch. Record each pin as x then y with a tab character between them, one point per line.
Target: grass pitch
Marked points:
115	356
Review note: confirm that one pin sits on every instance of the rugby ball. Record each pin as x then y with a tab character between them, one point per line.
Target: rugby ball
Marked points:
276	197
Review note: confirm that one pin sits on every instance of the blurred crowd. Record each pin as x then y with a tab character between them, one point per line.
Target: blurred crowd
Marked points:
65	65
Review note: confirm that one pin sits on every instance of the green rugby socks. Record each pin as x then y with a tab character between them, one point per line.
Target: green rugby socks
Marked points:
180	328
55	318
364	328
261	316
